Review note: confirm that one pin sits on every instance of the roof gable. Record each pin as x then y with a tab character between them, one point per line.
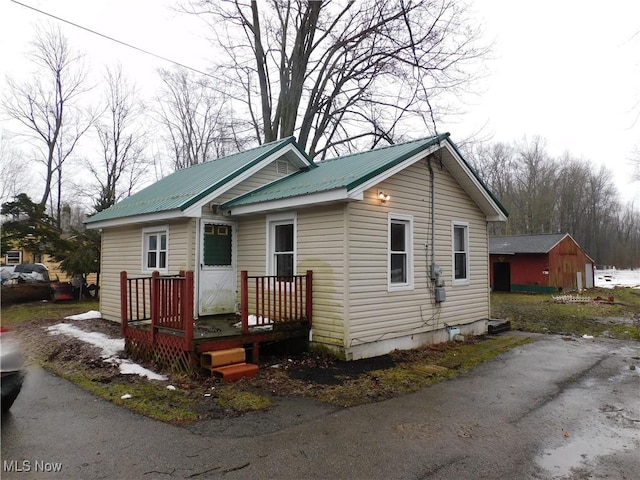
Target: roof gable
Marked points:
347	172
346	177
185	188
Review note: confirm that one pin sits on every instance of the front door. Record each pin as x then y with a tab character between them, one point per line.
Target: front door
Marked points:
217	274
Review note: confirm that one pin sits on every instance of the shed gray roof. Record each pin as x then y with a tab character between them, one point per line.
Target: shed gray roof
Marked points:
510	245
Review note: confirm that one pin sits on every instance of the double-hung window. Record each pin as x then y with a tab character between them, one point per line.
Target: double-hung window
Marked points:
281	245
13	257
400	252
460	241
155	249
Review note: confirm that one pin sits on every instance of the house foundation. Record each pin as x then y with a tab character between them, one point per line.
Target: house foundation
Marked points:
407	342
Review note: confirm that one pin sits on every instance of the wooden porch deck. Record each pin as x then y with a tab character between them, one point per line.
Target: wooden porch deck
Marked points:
158	322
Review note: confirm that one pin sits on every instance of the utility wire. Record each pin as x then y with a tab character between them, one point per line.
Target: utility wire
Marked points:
147	52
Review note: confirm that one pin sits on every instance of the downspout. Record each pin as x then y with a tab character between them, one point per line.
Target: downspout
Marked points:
435	273
433	217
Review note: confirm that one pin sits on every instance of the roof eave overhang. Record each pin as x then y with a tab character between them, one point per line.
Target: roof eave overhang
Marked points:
472	185
309	199
136	219
357	191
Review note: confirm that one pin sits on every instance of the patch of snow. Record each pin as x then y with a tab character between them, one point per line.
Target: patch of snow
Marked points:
265	323
170	387
91	314
126	396
613	277
111	348
127	367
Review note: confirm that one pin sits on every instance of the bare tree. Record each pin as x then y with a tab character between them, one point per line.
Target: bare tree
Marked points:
12	178
336	72
47	107
543	195
196	119
496	165
122	138
570	196
535	184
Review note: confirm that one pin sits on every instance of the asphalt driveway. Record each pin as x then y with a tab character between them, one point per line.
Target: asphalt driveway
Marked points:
556	408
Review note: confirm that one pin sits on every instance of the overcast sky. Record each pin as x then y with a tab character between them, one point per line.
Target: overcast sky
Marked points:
566	70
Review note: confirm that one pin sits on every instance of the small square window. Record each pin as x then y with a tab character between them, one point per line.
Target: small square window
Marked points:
13	257
155	250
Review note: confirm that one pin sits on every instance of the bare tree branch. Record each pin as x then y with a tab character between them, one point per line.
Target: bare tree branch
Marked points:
300	68
47	105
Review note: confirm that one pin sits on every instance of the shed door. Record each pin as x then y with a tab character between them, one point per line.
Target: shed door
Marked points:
501	277
588	275
217	273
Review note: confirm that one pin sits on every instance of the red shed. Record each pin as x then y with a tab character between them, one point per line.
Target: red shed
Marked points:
539	263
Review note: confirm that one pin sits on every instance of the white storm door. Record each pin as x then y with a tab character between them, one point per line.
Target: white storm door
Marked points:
217	274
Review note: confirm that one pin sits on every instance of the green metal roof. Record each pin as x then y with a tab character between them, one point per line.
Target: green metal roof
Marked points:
348	172
183	188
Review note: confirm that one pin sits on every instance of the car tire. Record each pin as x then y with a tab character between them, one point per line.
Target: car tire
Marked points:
11	386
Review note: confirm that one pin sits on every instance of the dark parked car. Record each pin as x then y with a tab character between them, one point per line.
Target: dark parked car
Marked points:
11	368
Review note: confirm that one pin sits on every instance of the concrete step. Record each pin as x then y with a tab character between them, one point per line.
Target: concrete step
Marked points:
497	326
230	373
220	358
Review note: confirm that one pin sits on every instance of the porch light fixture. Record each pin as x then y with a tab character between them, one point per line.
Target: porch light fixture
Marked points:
383	197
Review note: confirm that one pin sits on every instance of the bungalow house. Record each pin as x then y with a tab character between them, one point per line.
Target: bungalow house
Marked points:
395	239
539	263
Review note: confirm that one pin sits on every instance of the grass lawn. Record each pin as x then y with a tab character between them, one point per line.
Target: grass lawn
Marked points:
538	312
22	313
312	374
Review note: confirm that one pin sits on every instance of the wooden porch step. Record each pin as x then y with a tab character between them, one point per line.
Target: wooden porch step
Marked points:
220	358
229	373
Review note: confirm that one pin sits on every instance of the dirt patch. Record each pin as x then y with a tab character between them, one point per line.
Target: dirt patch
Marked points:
324	369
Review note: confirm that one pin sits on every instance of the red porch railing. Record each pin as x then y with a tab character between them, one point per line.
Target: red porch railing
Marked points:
157	313
272	300
165	301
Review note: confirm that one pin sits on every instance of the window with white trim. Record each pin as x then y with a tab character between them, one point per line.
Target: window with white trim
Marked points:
281	245
460	260
400	252
155	249
13	257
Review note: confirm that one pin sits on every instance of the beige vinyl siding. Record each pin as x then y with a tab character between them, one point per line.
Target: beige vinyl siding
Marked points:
264	176
321	248
252	244
465	303
122	251
376	313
